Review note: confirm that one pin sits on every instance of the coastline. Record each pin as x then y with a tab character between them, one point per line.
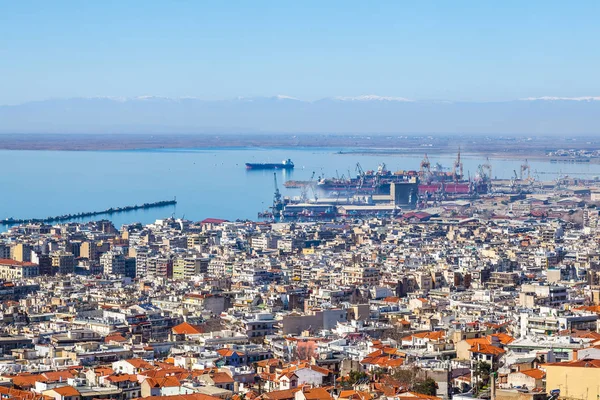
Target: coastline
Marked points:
509	147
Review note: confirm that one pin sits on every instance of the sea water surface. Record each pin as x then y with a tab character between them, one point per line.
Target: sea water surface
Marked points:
206	182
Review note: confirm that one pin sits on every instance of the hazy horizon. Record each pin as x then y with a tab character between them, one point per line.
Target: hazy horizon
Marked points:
282	114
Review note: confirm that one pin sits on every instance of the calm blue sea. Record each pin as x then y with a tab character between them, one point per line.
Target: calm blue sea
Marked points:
207	183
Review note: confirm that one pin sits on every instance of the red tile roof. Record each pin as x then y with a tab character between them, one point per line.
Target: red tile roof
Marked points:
193	396
317	394
14	263
122	378
139	363
188	329
168	381
66	391
576	364
487	349
534	373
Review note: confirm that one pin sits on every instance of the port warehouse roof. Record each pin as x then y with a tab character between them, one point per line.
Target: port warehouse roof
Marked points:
458	188
357	209
375	207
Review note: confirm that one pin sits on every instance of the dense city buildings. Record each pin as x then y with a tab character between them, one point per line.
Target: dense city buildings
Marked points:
498	297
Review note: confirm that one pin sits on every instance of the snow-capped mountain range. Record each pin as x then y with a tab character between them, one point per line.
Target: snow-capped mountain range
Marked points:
281	114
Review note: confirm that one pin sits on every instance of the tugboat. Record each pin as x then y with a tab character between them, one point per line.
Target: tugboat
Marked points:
287	164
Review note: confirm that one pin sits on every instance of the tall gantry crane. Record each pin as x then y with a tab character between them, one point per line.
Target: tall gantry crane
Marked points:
277	200
425	168
525	168
457	168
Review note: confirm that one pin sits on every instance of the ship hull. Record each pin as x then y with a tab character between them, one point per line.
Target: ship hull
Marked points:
268	166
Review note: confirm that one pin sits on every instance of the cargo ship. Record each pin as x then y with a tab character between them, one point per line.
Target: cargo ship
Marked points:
287	164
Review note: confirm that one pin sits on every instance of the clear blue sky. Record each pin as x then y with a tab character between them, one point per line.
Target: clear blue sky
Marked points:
457	50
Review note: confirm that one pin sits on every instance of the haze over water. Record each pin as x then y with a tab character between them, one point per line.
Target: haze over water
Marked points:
206	182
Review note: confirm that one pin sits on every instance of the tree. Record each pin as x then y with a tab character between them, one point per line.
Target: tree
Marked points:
416	380
406	376
354	377
426	386
482	375
305	350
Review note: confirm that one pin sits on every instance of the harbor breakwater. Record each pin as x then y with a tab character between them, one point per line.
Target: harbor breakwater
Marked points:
108	211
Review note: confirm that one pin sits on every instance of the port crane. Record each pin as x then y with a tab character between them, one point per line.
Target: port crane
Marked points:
277	200
525	168
486	173
361	175
457	168
487	167
313	186
513	181
381	170
425	168
304	189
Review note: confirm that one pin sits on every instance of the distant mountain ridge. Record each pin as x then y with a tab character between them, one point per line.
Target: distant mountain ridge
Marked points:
286	114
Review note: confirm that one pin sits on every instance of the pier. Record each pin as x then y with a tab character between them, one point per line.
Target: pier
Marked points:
108	211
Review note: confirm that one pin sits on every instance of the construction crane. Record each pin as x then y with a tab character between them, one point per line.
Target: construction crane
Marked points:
525	168
304	189
277	200
513	181
487	167
361	176
359	169
381	170
457	168
425	168
312	186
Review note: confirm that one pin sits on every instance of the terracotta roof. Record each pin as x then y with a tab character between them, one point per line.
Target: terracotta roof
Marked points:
66	391
486	349
269	362
164	372
594	309
21	394
221	377
116	337
139	363
167	381
103	371
187	329
431	335
316	394
281	394
354	394
14	263
321	370
415	395
225	352
56	376
383	361
122	378
193	396
503	338
25	380
576	364
534	373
